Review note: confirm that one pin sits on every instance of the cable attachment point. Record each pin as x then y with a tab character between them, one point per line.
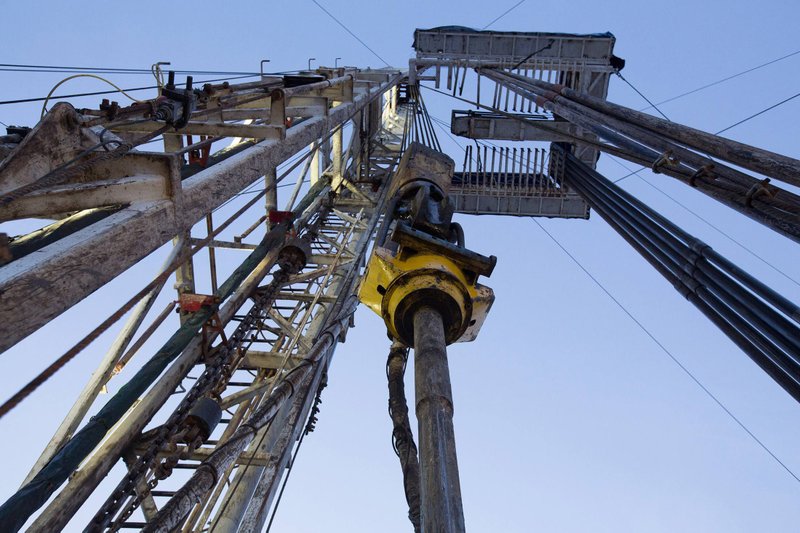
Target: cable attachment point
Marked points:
666	159
175	106
762	188
706	171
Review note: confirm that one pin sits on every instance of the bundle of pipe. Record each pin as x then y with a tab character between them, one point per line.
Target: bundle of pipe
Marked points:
676	150
760	321
422	126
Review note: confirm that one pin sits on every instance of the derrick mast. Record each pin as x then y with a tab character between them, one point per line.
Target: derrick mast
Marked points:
203	429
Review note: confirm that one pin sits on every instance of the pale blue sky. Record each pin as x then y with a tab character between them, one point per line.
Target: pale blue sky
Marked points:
568	417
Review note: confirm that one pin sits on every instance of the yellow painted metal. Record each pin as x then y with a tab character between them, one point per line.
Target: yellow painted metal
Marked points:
395	286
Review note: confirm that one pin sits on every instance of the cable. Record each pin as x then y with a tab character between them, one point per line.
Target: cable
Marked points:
57	68
725	79
249	189
440	123
506	12
351	33
402	436
759	113
618	73
95	76
667	352
548	46
97	93
723	129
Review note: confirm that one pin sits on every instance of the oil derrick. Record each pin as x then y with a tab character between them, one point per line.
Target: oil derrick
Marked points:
249	355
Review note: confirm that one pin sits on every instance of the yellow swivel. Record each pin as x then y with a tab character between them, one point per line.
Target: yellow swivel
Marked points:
395	287
416	267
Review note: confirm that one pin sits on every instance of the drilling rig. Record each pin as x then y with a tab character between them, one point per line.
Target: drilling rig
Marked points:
369	220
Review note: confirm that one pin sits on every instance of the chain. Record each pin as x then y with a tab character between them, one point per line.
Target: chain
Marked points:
214	379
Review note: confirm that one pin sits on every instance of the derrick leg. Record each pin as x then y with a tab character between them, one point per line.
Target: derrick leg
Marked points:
440	490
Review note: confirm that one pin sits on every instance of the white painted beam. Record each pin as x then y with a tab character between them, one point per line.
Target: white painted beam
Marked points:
37	288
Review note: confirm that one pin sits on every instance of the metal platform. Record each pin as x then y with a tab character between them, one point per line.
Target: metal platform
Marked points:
517	127
498	180
514	182
590	52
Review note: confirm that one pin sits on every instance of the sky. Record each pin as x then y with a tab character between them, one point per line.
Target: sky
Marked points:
568	416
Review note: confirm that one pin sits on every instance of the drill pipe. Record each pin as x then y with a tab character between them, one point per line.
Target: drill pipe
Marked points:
442	510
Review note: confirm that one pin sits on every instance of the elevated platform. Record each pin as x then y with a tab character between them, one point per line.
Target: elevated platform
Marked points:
587	52
513	182
503	180
502	127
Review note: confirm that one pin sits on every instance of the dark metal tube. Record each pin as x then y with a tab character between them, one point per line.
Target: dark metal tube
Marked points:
768	213
782	303
687	261
440	490
741	333
652	138
762	161
754	351
766	318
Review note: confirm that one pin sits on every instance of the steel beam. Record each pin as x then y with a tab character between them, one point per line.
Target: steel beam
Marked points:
37	288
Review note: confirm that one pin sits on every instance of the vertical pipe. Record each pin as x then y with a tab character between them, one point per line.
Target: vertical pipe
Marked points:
184	275
315	164
271	202
302	176
337	153
485	161
531	75
326	153
514	107
492	172
440	490
212	256
478	91
528	172
469	173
